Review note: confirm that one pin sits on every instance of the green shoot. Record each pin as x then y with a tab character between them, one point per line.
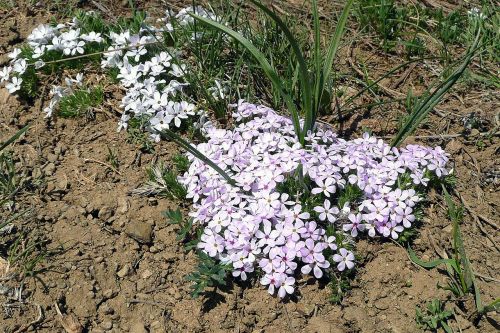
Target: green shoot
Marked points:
81	102
434	317
209	274
13	138
429	100
175	217
112	158
162	182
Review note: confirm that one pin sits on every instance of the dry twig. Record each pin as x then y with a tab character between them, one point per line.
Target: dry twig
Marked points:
34	322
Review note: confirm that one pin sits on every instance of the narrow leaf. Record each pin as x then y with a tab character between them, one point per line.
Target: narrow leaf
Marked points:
425	105
170	135
318	78
14	137
493	306
264	65
303	70
427	264
458	244
335	43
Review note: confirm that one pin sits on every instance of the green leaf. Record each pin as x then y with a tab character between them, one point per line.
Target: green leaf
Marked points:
173	216
466	275
446	328
429	264
334	46
264	65
14	137
172	136
302	66
493	306
430	100
318	79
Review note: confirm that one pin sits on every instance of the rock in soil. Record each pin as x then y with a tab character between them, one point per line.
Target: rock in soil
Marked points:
140	232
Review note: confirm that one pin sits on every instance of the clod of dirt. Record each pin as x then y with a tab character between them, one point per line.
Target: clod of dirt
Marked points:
138	328
320	325
49	169
105	213
123	205
140	232
69	321
124	271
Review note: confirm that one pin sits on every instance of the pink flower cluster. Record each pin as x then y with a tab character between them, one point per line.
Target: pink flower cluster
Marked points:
257	226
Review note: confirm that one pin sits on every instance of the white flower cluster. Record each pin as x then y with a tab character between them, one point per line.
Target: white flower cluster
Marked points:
63	38
183	18
11	74
152	81
58	92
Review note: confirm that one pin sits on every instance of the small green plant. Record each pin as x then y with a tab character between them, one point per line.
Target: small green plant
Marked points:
81	102
339	285
112	158
10	181
185	232
383	17
425	103
162	182
137	136
27	253
181	162
209	274
461	279
314	79
434	316
415	47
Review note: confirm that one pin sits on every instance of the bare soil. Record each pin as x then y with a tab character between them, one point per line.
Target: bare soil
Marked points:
114	262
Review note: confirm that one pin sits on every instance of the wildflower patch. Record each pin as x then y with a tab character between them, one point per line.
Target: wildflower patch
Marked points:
298	209
297	206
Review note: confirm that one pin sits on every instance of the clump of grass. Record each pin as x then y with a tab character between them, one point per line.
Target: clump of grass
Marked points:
383	17
461	278
27	253
421	106
162	182
434	316
81	102
10	180
112	158
313	81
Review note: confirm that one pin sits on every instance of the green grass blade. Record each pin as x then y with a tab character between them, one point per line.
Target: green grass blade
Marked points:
466	275
14	137
318	78
446	328
480	308
427	264
334	44
172	136
264	65
493	306
306	90
424	106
